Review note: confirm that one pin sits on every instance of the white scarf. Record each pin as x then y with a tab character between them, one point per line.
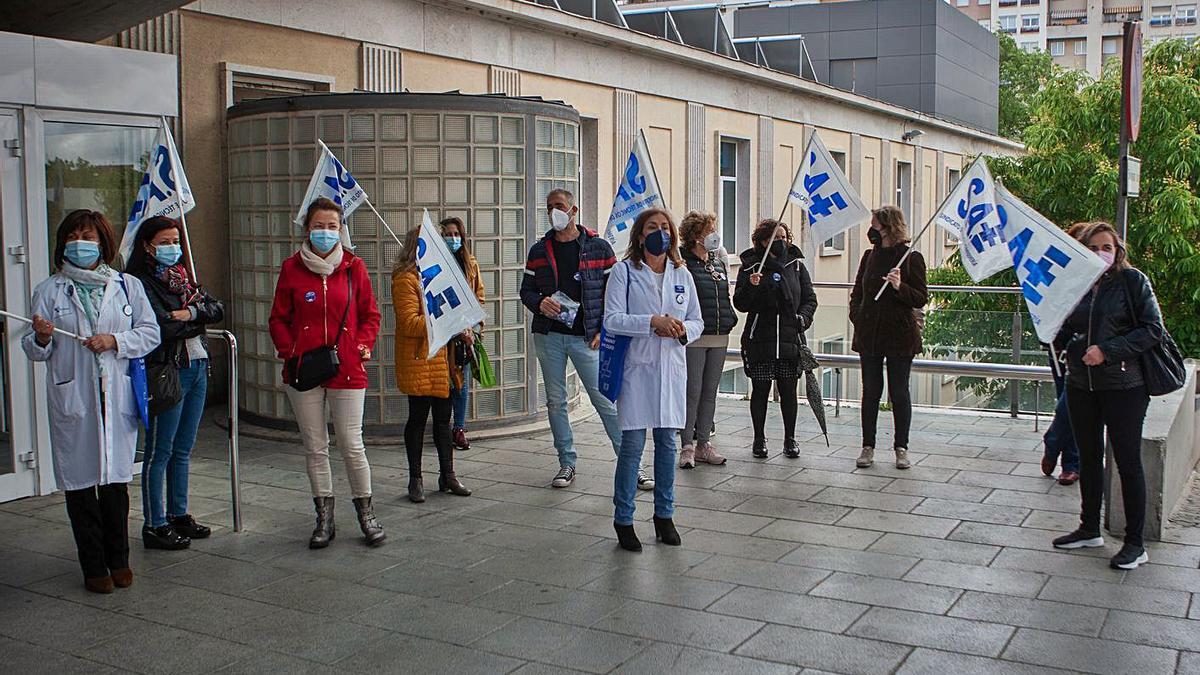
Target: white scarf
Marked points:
318	265
97	277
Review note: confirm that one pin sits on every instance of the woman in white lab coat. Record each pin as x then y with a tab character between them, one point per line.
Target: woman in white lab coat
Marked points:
651	298
94	418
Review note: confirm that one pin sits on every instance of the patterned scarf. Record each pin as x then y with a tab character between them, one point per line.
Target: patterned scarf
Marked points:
177	280
89	285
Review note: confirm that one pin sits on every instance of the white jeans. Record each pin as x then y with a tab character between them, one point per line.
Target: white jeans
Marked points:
346	409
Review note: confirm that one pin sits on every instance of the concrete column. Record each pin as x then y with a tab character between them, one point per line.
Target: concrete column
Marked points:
887	190
625	127
855	234
918	198
694	157
766	206
939	196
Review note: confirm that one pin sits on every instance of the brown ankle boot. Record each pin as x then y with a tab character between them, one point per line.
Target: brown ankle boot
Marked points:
98	584
122	578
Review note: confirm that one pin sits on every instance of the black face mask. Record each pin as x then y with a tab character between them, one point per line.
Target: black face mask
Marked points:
874	236
778	248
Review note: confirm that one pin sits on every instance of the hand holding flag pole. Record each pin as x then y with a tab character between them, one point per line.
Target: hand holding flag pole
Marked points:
27	320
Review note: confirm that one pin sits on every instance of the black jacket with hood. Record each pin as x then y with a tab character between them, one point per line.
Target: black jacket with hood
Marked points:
778	309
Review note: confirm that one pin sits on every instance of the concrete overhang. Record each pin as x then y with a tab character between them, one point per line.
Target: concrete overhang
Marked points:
83	20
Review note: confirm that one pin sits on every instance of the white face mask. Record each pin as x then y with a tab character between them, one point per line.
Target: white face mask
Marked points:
559	219
712	242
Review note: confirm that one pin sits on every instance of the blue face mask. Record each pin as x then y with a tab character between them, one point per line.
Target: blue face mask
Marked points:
453	243
324	240
657	242
168	254
82	254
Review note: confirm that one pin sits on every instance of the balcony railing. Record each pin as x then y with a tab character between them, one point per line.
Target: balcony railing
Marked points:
1030	3
1030	29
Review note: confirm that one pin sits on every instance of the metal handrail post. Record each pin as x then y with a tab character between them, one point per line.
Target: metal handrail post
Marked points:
1014	387
235	488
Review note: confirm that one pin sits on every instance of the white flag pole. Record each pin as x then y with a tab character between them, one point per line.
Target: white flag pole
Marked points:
60	331
178	173
385	224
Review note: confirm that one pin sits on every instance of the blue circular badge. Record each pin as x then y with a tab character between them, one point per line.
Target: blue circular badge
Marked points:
310	296
680	298
776	276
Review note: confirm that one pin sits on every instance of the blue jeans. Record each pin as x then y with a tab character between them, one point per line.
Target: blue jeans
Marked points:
459	398
1059	439
553	350
625	479
169	448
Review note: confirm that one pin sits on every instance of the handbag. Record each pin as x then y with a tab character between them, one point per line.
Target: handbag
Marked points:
481	366
1163	370
137	374
163	387
613	349
317	366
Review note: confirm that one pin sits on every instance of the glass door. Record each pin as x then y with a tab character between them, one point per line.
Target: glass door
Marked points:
18	460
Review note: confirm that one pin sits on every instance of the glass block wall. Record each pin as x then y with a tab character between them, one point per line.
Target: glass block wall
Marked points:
488	160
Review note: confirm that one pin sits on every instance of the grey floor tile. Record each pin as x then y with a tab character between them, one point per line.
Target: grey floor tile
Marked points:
562	645
967	464
844	478
924	488
837	653
196	609
789	609
722	543
830	535
429	580
189	652
321	595
22	568
552	603
670	658
1146	629
654	556
25	658
1189	663
717	521
44	620
1058	563
782	489
1066	501
670	589
1116	596
223	575
1087	654
1005	535
931	662
940	632
312	636
433	619
848	560
758	573
903	523
275	662
983	513
1052	520
792	510
976	578
344	560
1042	614
887	593
1165	576
548	541
419	656
865	499
930	548
559	570
995	480
678	626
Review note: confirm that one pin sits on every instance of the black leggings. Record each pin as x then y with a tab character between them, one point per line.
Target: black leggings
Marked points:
414	432
898	368
1122	413
100	522
760	394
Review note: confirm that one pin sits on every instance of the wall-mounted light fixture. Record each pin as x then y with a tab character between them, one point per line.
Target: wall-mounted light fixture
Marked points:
911	134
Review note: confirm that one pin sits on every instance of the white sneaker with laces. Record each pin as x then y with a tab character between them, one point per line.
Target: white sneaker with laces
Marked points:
645	482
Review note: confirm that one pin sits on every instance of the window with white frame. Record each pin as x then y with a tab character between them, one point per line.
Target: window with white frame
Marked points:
1030	23
1058	48
1029	47
903	183
1109	46
247	83
1160	15
837	244
1008	23
734	190
1185	15
952	178
1080	47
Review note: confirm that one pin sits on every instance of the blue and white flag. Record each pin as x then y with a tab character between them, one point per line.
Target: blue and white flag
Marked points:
1055	271
637	192
447	299
822	190
164	190
331	180
973	216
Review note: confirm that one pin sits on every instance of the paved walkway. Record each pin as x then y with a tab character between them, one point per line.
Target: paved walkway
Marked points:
787	565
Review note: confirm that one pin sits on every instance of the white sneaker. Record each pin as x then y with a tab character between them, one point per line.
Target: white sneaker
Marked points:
645	482
564	478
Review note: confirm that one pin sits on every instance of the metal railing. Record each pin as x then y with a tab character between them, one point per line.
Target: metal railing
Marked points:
235	487
989	290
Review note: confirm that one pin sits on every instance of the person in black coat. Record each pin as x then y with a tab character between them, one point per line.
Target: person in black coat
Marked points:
780	302
183	310
1103	337
888	328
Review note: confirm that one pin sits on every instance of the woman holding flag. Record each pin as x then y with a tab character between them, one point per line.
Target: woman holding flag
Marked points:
455	236
424	378
651	299
774	289
888	328
323	303
183	310
95	415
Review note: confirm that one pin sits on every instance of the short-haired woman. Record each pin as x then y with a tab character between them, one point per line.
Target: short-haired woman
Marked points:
776	292
651	299
700	245
1104	338
183	310
455	236
887	329
426	381
324	299
95	429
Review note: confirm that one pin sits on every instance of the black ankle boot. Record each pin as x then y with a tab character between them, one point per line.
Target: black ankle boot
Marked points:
790	448
324	532
187	526
416	489
760	447
627	538
450	483
664	531
371	529
164	538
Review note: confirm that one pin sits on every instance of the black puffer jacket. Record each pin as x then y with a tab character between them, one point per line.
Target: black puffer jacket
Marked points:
778	309
1104	318
175	333
541	279
888	327
713	294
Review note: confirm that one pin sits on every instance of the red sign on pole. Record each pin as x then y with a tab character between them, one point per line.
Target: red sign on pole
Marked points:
1131	79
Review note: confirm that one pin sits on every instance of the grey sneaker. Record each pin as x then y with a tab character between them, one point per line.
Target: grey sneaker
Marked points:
645	482
867	458
902	458
564	478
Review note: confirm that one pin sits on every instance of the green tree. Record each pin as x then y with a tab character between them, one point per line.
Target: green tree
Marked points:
1022	75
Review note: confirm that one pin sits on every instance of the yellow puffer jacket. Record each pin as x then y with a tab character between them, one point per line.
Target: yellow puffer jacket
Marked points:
416	375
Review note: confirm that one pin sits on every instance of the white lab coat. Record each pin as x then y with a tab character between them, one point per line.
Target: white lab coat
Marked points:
88	450
654	388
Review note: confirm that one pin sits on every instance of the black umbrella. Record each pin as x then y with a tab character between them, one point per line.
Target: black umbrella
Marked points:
812	388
